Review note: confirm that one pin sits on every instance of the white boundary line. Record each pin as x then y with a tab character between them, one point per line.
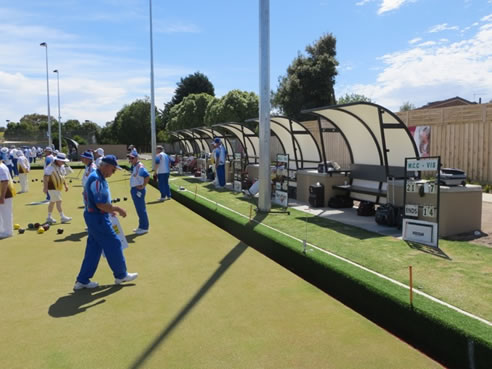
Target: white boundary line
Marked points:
484	321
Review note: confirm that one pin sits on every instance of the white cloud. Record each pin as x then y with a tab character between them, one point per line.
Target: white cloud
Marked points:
427	43
442	27
415	40
388	5
487	18
439	71
363	2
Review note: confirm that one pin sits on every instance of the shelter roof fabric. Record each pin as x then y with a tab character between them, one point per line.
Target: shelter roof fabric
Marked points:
373	133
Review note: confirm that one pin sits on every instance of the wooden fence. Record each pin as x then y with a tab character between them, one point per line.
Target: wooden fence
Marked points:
461	135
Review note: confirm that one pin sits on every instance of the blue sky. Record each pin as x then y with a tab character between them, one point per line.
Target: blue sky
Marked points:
392	51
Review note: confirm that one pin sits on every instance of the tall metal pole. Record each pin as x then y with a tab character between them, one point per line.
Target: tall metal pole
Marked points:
264	200
44	44
152	102
59	116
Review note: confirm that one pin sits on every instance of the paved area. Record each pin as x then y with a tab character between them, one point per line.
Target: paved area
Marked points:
350	217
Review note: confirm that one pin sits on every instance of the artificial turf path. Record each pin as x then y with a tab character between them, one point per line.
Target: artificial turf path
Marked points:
203	300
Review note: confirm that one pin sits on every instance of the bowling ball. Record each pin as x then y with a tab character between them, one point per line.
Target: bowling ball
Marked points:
21	230
36	225
40	230
30	226
59	230
16	226
124	199
70	181
46	226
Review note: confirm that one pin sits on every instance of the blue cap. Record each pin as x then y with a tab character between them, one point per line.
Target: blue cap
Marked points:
133	153
111	159
217	140
87	155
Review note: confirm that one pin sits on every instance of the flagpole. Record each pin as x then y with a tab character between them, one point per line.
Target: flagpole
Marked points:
264	200
152	100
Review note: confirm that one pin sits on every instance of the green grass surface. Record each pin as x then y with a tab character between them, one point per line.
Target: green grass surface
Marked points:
203	300
460	275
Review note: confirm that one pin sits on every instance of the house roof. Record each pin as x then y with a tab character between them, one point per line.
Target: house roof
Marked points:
454	101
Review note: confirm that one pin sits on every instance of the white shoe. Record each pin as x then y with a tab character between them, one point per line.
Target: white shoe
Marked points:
66	219
50	220
140	231
79	286
162	199
129	277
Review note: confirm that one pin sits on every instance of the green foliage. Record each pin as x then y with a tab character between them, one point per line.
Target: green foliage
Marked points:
235	106
80	140
193	84
310	79
163	136
196	83
190	112
131	125
407	106
352	98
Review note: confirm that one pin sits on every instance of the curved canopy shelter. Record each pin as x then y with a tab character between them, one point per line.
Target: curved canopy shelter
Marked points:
208	133
184	142
246	137
374	135
296	141
199	143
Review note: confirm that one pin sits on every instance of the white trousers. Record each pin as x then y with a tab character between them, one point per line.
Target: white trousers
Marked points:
6	219
23	182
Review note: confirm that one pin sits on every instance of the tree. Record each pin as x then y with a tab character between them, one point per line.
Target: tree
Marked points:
310	80
235	106
407	106
352	98
190	112
132	125
196	83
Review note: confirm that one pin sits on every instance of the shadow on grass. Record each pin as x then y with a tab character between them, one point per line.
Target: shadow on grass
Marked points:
428	250
155	202
74	237
339	227
77	302
225	263
37	203
131	237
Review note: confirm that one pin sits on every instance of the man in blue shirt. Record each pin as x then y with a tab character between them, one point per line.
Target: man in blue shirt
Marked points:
163	164
101	236
220	160
139	179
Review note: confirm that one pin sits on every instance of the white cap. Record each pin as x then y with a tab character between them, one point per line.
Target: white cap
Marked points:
100	151
19	153
61	157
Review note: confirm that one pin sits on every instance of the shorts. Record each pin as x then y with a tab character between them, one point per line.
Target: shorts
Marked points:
55	195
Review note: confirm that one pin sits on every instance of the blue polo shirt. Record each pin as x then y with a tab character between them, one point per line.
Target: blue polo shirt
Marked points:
96	192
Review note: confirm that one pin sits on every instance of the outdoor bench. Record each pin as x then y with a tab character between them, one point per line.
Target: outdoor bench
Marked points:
369	182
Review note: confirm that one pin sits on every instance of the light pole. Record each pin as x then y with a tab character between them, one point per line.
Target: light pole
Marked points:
44	44
59	117
264	200
152	104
